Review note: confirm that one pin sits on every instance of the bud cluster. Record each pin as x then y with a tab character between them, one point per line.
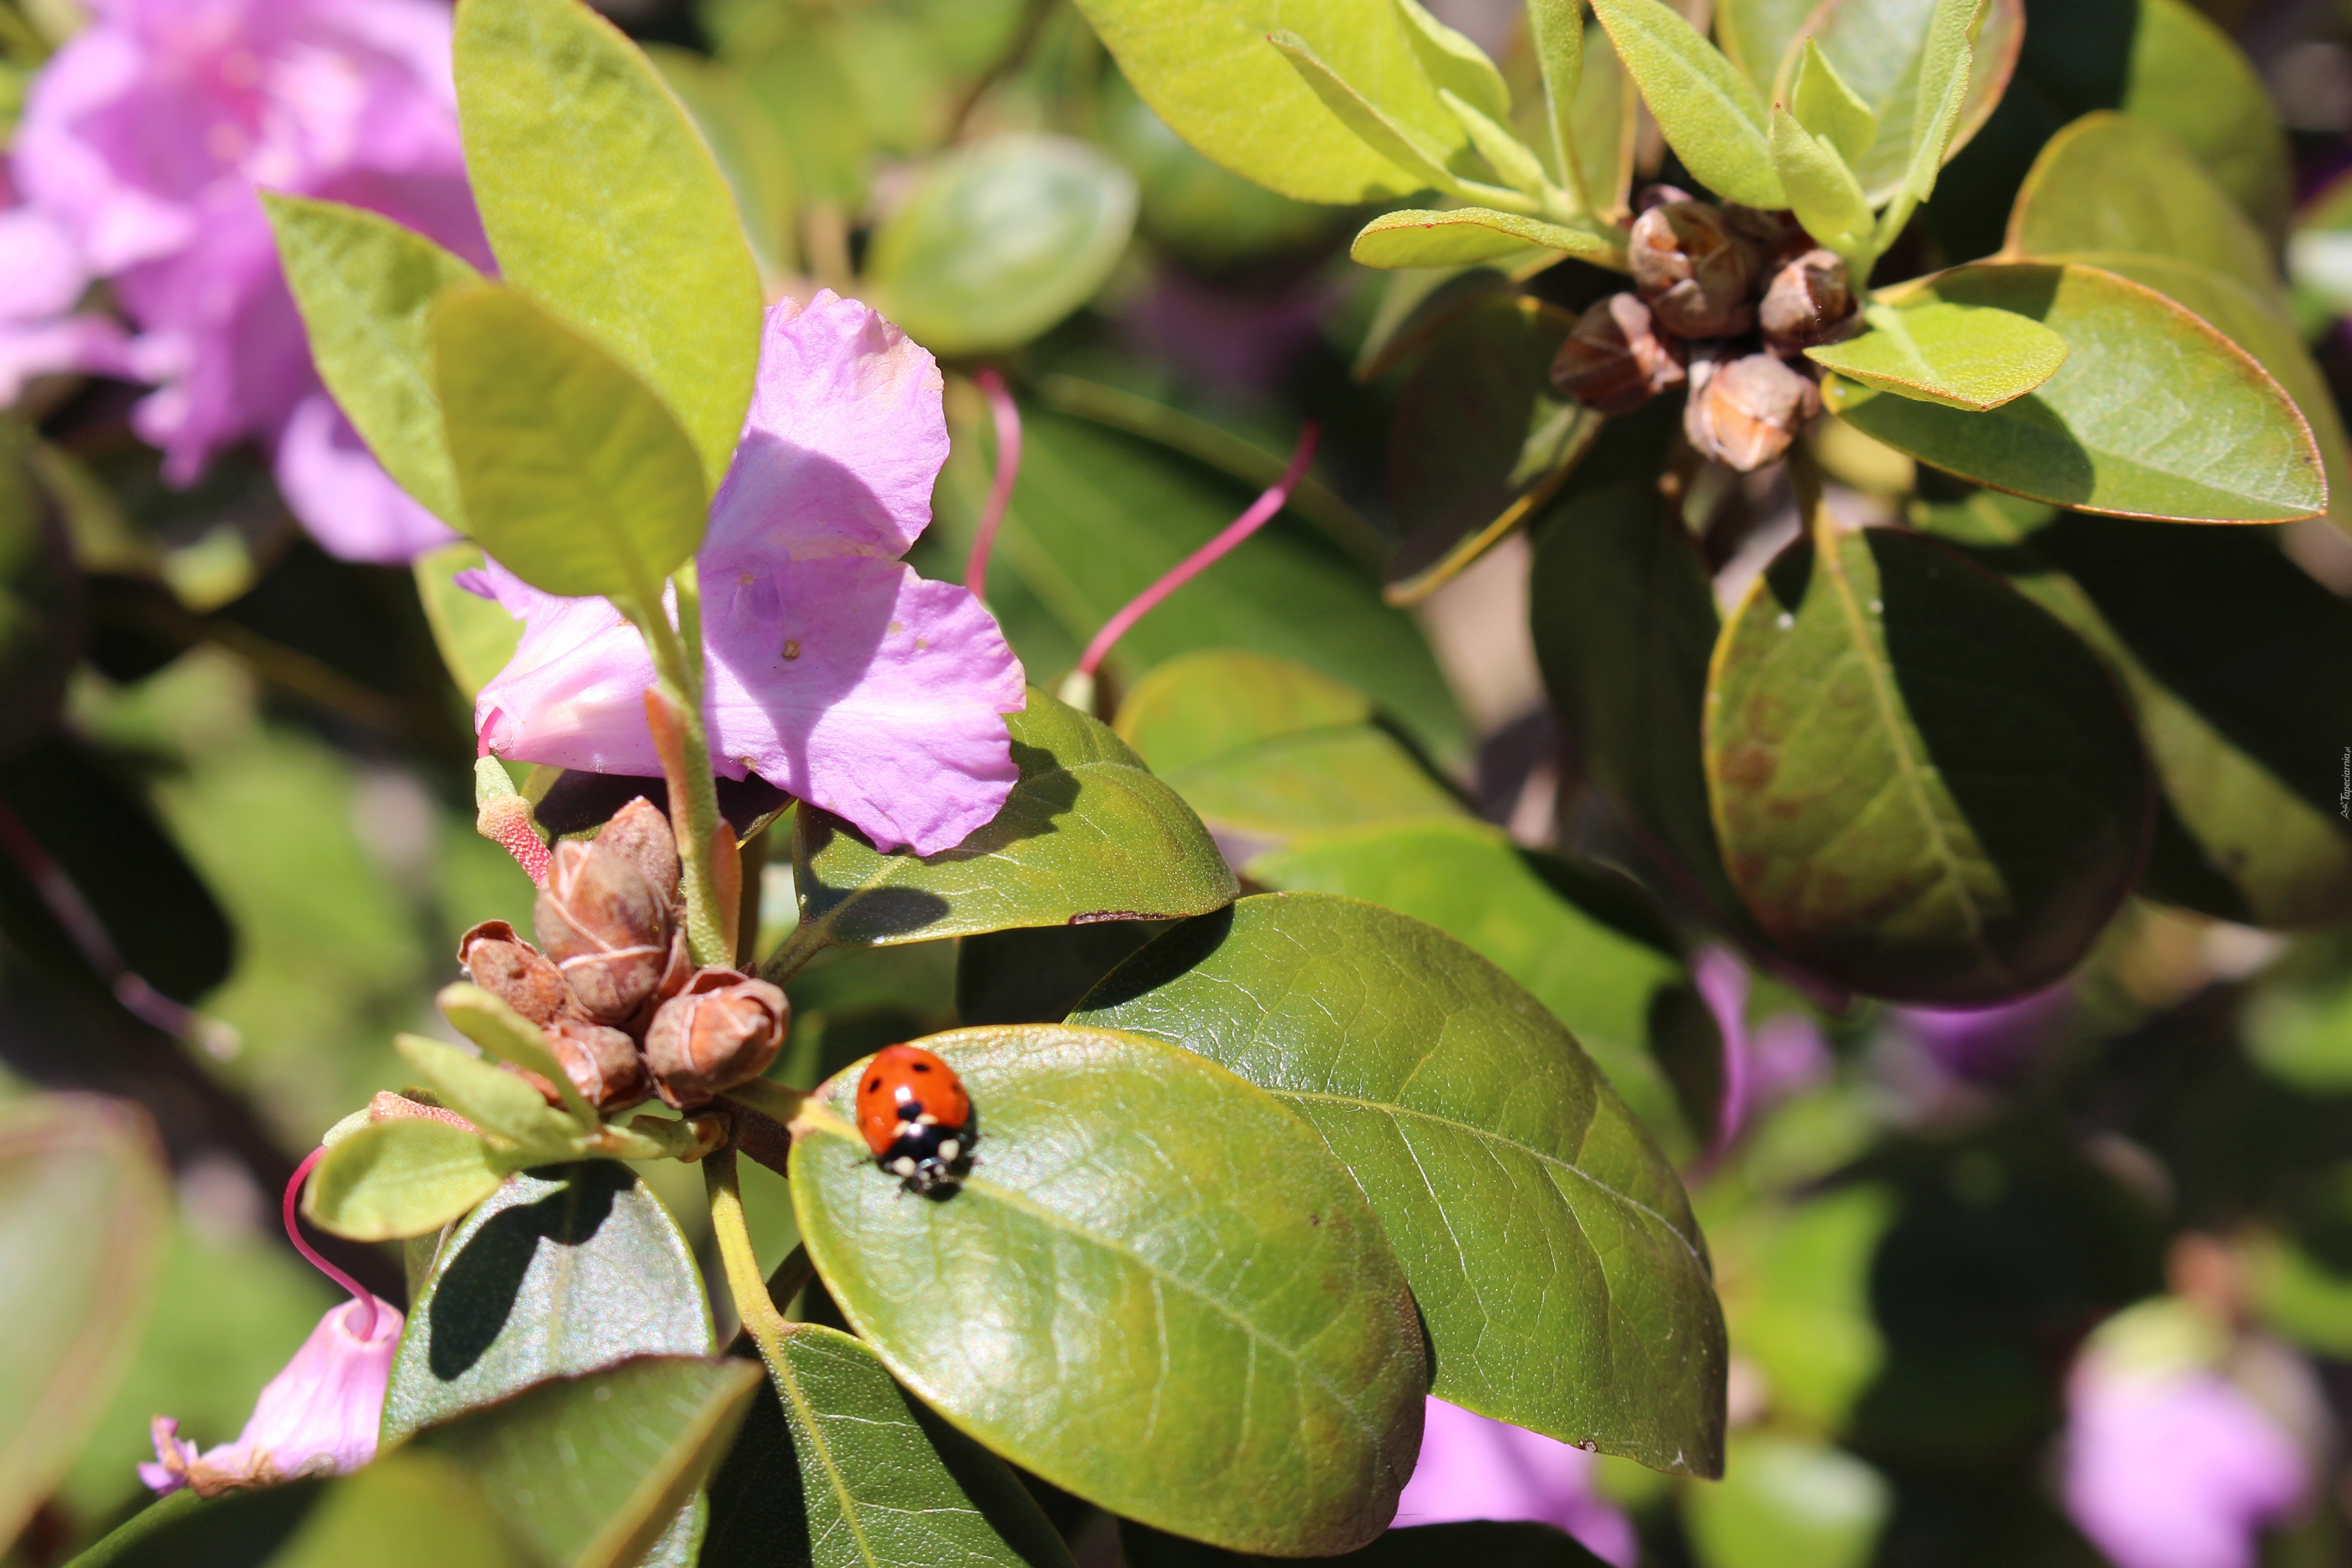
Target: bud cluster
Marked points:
612	985
1728	299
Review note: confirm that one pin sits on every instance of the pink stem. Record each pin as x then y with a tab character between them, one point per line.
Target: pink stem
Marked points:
999	492
1260	512
294	1234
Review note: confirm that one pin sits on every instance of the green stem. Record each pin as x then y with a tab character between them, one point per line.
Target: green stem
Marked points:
753	1304
680	678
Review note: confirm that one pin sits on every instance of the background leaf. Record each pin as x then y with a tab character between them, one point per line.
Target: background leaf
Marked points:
1785	1502
1080	1303
1925	786
602	200
1553	1255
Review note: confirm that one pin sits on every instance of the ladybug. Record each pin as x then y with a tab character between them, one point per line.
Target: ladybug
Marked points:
917	1117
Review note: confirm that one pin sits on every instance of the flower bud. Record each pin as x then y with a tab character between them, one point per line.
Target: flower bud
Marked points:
606	927
1810	302
723	1030
602	1063
1743	413
1613	360
640	834
1777	235
1697	274
511	970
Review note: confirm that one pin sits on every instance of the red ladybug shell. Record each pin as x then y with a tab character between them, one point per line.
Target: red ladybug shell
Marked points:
903	1078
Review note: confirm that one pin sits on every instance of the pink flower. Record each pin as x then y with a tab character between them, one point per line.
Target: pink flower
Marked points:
142	147
319	1416
41	279
1475	1468
2170	1464
836	673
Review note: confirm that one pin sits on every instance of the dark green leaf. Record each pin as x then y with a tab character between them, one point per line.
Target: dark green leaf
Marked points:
1552	1252
1926	788
574	475
999	241
1088	834
1088	1301
846	1472
2154	414
365	286
84	1209
1037	975
43	616
592	1469
1484	1542
602	200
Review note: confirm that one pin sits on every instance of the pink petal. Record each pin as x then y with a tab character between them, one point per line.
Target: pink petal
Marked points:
40	274
842	443
858	686
91	344
1473	1466
573	694
343	496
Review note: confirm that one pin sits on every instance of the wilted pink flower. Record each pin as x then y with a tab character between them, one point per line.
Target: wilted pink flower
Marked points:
836	673
319	1416
142	147
1473	1466
2170	1464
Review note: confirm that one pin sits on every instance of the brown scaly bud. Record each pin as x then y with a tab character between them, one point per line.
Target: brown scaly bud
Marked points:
1658	197
606	927
602	1063
723	1030
511	970
1615	360
1697	274
1778	237
640	834
676	974
1810	302
1743	413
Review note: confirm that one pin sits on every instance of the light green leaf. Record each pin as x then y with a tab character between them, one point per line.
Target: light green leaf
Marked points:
492	1099
1604	120
85	1211
1550	1250
365	286
1458	236
1883	49
1077	1304
1088	834
591	1471
1797	1292
1974	357
1821	191
1206	67
1556	33
846	1472
1000	239
475	638
1783	1501
2153	414
750	156
1711	116
397	1179
574	476
602	203
1453	64
1757	35
1504	152
2187	75
1824	105
1420	157
1946	51
508	1036
1925	786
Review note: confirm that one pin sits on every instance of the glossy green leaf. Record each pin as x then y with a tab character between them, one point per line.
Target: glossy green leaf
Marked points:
85	1210
475	638
1824	105
566	1271
1480	439
1624	621
1263	748
1458	236
602	203
1206	67
1086	1301
397	1179
846	1472
2153	414
999	241
1550	1249
1974	357
1784	1501
492	1099
1712	117
2188	76
2112	183
1910	63
365	286
1926	787
1487	1543
1589	946
591	1471
574	474
1088	834
1822	190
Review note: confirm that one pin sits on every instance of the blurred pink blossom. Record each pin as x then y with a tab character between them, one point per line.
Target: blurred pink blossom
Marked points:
141	150
1761	1066
1994	1045
835	673
1473	1466
319	1416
